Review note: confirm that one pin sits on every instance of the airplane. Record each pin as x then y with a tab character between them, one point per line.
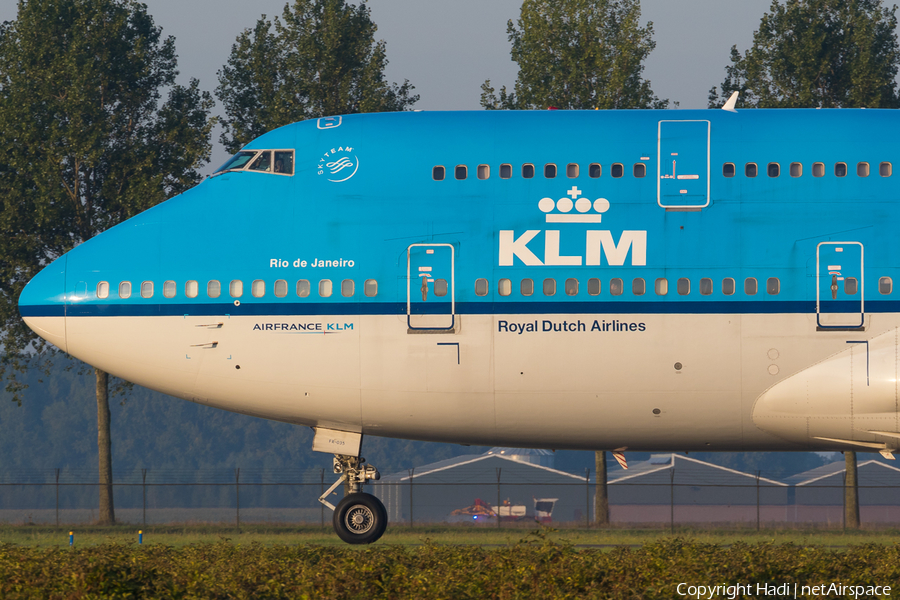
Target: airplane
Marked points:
641	280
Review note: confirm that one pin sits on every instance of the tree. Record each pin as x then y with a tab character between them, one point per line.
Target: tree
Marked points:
86	143
851	491
578	54
601	490
818	53
319	59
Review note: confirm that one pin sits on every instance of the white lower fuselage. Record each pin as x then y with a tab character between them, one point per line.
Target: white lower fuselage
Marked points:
688	382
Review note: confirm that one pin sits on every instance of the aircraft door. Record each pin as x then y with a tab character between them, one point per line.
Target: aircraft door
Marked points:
839	285
430	287
682	179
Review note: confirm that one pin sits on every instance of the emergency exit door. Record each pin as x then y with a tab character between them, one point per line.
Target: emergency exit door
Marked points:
682	179
430	287
840	302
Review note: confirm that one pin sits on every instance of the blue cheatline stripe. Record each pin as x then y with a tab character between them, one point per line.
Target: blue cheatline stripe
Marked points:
47	310
276	309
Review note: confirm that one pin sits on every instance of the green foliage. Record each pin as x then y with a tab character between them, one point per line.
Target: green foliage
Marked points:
86	137
319	59
579	54
818	53
540	570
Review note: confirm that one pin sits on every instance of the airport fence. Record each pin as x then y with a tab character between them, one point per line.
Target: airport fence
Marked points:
236	496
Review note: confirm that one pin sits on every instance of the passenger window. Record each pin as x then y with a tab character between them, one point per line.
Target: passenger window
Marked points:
461	171
885	169
851	286
147	289
750	170
750	286
862	169
638	286
661	286
280	288
348	288
728	286
258	288
236	288
169	289
796	170
440	287
572	170
773	286
527	171
214	288
571	287
125	289
617	170
505	171
773	170
526	287
437	173
263	162
549	287
325	288
284	162
640	170
818	169
103	290
684	286
616	286
885	285
484	171
303	288
706	286
594	170
481	287
191	289
549	170
840	169
504	287
370	288
728	170
594	286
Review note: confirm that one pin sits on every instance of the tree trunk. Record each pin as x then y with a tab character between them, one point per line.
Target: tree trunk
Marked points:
107	514
851	492
601	497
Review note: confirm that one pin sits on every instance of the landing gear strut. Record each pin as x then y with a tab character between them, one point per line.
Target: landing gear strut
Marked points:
359	518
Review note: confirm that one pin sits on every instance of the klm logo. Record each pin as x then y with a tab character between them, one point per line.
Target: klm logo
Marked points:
597	243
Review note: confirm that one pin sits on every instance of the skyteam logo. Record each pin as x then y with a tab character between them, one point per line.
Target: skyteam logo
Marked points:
598	244
339	164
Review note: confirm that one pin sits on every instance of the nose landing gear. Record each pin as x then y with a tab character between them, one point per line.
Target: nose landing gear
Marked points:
359	518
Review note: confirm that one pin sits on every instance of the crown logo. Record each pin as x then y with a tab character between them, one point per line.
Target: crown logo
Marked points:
583	208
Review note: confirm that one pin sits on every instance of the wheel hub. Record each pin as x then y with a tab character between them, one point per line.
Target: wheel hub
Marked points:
360	519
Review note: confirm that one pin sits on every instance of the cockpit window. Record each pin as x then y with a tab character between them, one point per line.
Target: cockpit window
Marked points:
264	161
284	162
238	161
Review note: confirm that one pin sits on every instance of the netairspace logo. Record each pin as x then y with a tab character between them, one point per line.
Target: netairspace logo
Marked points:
783	590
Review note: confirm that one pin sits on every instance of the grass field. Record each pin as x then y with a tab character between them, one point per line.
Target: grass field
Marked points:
277	534
474	564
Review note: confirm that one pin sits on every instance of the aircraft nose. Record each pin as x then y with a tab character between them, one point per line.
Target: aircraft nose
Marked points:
42	303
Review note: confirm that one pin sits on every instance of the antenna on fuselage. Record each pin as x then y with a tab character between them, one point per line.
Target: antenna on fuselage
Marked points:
729	106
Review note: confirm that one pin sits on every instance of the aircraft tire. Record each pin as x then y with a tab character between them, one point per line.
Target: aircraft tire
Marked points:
359	519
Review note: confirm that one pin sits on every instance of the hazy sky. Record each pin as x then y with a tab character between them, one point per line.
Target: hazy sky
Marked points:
447	48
